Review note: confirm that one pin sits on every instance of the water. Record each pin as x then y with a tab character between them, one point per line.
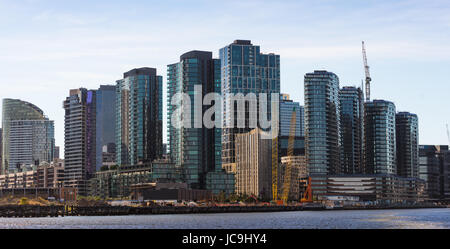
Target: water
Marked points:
357	219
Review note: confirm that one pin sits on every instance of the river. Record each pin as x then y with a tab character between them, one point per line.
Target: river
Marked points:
355	219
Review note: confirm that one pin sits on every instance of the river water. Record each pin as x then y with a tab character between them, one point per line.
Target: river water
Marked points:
354	219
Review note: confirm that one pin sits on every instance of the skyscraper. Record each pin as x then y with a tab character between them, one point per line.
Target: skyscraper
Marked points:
31	142
139	117
15	109
407	132
106	120
351	108
79	139
244	70
379	138
196	148
322	121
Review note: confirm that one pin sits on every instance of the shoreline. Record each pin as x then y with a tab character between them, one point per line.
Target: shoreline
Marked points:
61	211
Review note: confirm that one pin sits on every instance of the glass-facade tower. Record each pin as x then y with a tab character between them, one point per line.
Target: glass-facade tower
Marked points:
139	117
106	120
351	108
15	109
244	70
197	149
379	138
407	132
322	123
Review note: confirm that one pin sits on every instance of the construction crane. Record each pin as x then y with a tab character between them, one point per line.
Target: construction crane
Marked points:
448	136
307	197
366	69
275	166
290	152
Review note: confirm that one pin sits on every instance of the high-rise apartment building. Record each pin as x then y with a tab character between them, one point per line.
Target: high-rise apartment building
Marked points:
407	136
254	164
322	123
79	139
351	107
434	168
139	117
379	138
197	148
31	142
245	70
13	110
106	120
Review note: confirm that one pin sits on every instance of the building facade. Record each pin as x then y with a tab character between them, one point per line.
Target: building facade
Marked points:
286	108
79	139
245	70
322	123
31	142
379	138
407	135
299	172
434	169
106	120
254	164
351	106
139	117
193	146
15	109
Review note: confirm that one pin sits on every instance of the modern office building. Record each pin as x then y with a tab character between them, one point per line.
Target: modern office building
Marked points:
79	139
407	132
434	169
322	123
379	138
139	117
351	101
106	120
254	164
245	70
15	109
31	142
286	108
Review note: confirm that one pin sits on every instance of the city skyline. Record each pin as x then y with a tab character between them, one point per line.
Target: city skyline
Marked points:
405	52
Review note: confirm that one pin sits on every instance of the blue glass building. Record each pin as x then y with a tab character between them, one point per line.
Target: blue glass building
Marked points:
379	138
322	122
106	120
245	70
197	149
351	108
407	135
139	117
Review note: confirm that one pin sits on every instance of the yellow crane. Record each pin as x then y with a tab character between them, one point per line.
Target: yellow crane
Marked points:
290	152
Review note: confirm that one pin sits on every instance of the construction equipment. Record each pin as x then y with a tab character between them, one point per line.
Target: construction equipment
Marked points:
307	197
290	152
275	166
366	69
448	136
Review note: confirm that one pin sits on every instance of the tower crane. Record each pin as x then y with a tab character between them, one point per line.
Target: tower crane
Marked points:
448	136
290	152
366	69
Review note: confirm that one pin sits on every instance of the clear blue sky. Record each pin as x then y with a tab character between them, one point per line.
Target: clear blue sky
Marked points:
49	47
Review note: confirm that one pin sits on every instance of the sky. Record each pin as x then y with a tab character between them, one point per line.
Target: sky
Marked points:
49	47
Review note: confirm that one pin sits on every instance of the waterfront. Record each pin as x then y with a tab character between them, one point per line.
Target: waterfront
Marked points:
438	218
